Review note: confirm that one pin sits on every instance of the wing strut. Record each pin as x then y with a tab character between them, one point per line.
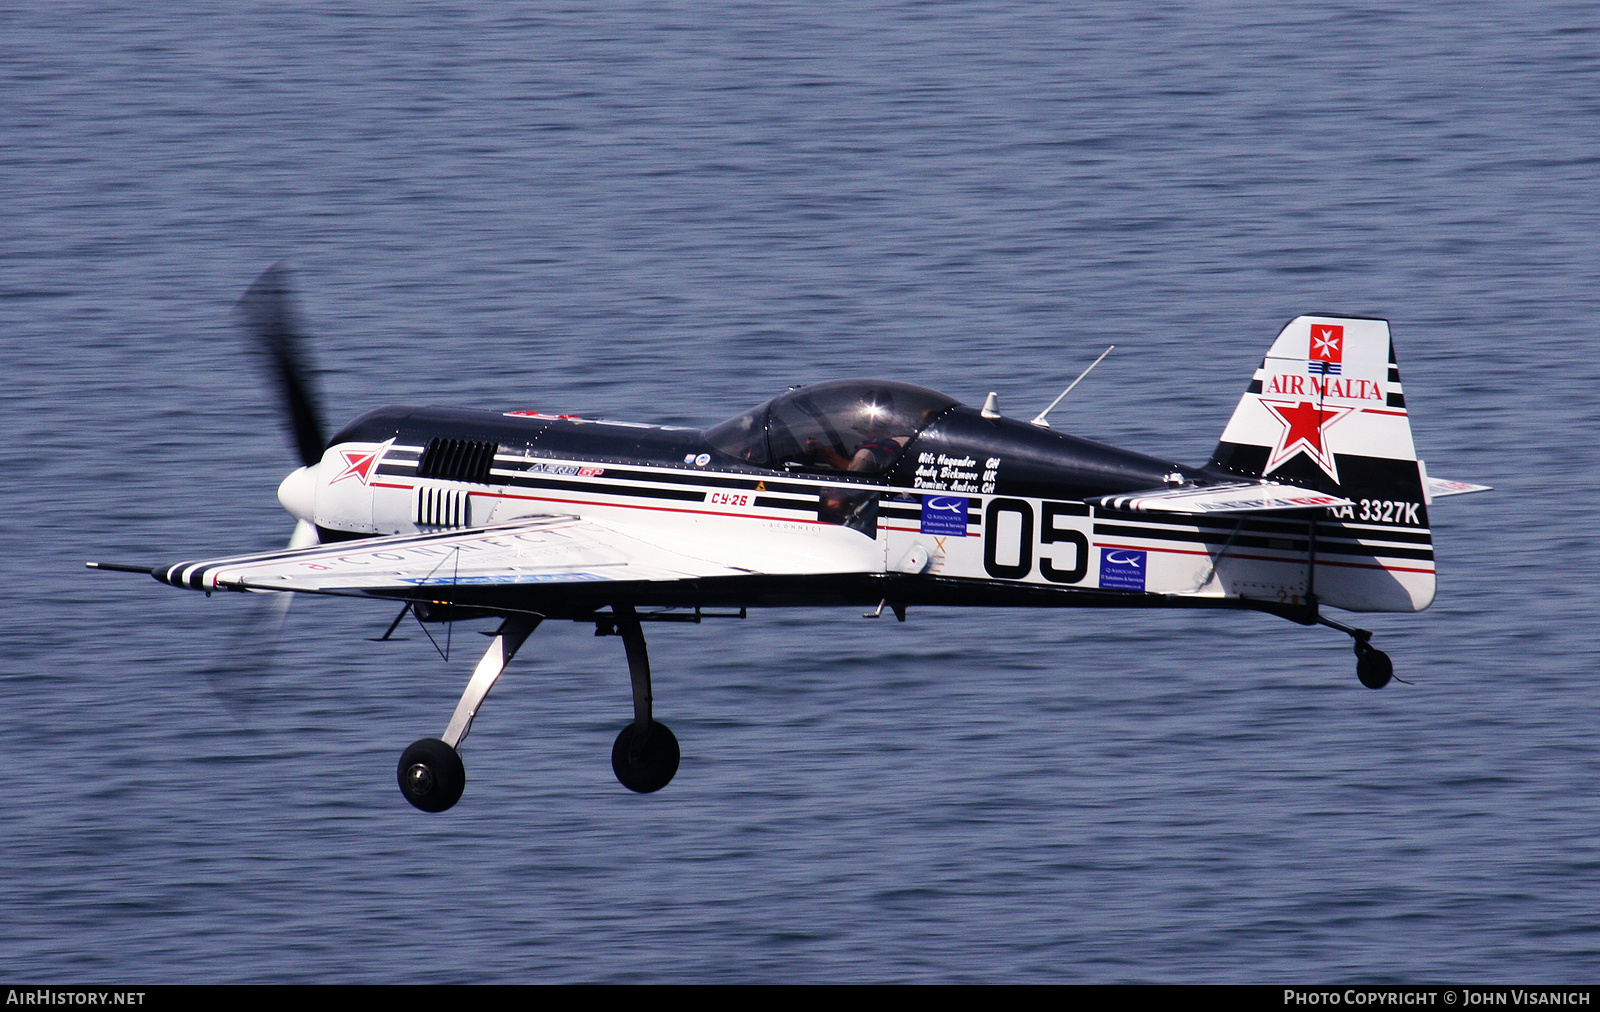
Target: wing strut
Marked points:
430	772
513	631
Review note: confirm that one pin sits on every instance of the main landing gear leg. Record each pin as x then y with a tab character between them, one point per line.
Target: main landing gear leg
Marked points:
645	756
1373	666
430	772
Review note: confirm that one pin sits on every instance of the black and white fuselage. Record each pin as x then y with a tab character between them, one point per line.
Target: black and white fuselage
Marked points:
853	492
969	510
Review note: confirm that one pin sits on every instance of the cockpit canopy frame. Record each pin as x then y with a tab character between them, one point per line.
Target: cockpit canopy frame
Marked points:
845	426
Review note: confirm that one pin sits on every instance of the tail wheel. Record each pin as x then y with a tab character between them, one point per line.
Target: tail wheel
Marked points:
1373	666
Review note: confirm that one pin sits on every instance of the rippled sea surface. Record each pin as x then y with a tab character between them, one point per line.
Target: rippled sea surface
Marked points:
667	212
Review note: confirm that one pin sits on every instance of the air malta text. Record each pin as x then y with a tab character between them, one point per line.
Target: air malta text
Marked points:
1331	386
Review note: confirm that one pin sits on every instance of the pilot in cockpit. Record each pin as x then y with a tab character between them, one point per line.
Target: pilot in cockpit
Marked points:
873	456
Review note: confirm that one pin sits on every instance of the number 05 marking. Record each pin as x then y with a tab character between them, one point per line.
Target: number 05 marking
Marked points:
992	536
1048	535
1015	541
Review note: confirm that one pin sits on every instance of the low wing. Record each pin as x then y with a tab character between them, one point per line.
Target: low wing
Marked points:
539	550
1227	497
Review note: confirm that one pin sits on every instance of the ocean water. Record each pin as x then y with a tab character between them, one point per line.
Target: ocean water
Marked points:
668	212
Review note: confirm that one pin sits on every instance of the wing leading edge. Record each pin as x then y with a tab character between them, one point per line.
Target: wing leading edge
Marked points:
541	550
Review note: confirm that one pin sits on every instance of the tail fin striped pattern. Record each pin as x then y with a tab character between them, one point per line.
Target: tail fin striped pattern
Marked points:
1326	411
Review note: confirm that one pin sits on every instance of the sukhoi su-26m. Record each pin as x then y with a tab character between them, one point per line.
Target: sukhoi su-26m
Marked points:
863	493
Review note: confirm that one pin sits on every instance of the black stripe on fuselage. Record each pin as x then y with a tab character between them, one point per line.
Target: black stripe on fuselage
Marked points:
1257	523
773	494
407	468
594	487
1332	538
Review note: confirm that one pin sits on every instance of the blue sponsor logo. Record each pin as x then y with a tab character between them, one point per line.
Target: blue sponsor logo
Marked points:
944	514
1121	569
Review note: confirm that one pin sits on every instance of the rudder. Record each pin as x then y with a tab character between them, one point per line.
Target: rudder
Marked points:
1326	410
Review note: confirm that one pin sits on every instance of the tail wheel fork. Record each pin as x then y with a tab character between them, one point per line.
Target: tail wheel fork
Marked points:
1373	666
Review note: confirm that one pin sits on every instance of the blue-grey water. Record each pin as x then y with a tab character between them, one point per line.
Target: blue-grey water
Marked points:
667	212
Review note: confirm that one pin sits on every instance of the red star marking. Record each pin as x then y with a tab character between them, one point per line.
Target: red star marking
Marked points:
1304	426
357	464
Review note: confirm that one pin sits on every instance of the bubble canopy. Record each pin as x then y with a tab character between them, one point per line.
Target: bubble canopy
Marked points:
858	426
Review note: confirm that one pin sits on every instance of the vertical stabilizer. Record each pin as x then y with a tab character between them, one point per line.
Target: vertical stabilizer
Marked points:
1325	410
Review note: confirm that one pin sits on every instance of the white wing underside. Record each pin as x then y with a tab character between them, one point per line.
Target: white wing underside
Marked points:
539	550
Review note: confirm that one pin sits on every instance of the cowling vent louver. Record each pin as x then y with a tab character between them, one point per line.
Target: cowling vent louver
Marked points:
457	460
434	507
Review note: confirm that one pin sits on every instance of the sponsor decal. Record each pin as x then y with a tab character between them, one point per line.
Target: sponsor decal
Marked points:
582	472
1270	503
1327	349
358	464
702	460
1305	428
1121	569
944	514
688	458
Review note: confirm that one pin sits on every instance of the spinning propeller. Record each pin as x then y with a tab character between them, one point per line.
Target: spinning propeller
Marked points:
269	322
268	319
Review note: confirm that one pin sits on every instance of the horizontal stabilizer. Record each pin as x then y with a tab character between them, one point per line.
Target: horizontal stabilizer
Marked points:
1437	487
1228	497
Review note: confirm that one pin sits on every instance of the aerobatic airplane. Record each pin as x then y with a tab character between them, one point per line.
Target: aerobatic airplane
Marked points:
855	492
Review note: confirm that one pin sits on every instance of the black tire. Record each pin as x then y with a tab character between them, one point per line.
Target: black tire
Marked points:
1373	666
431	775
645	766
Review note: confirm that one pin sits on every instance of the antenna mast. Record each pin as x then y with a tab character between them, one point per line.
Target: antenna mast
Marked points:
1039	420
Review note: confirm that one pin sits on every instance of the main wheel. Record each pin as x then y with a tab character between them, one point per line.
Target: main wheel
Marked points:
1373	666
645	765
431	775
